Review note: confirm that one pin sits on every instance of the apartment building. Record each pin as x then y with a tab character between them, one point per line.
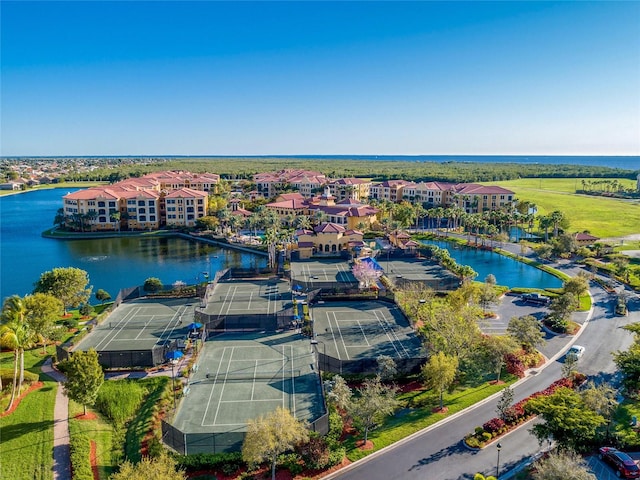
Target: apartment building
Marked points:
145	203
184	206
355	189
306	182
391	190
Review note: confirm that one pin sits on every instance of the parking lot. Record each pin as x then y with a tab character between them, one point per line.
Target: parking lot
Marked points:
602	471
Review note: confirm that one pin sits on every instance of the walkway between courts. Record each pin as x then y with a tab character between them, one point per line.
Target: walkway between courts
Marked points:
61	453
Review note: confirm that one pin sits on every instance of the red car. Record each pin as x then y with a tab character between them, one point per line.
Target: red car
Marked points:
623	464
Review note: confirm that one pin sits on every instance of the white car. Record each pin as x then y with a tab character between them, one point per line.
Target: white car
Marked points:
576	351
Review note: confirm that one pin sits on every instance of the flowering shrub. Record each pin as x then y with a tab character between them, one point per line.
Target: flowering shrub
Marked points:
514	365
517	413
493	425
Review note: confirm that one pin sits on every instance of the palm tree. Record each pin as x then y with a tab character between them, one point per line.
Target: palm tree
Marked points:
115	216
556	218
271	241
319	217
302	222
545	223
15	335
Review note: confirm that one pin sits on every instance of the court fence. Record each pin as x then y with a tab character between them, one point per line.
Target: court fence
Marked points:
240	323
218	442
366	366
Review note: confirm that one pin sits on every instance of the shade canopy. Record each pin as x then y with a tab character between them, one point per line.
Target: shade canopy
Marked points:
174	355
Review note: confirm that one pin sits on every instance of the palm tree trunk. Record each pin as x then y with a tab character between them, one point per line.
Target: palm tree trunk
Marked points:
15	379
21	369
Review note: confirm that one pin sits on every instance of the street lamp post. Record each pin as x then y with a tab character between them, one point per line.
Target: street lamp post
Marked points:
498	447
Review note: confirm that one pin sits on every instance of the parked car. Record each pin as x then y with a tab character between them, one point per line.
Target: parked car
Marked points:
576	351
535	298
623	464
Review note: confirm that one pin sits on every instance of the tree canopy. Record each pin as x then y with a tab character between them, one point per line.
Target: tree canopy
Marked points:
439	372
70	285
527	331
565	465
371	404
269	436
159	468
567	419
84	377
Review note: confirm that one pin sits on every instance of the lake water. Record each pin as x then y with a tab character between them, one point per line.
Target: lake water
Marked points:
112	263
507	271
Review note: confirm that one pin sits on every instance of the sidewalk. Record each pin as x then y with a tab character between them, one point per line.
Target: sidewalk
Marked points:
61	454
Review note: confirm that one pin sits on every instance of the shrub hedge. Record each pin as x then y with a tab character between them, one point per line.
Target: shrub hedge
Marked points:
80	452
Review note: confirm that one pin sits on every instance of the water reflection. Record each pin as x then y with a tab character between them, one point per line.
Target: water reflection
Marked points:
507	271
112	263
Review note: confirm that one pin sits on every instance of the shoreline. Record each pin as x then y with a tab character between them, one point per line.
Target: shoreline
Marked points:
220	242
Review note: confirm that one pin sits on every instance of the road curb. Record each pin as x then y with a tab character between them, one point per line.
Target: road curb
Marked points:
528	374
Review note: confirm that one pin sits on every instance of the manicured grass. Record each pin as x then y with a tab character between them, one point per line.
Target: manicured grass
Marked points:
158	395
98	430
27	437
624	430
409	421
601	216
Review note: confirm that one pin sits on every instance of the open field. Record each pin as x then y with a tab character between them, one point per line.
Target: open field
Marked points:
601	216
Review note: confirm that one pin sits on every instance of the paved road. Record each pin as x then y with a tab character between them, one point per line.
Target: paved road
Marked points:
437	452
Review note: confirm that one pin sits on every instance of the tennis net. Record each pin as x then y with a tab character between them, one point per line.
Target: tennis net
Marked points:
257	296
278	376
155	324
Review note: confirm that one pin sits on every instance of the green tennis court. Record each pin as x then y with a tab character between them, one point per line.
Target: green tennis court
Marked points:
410	269
141	324
248	297
316	272
357	330
240	377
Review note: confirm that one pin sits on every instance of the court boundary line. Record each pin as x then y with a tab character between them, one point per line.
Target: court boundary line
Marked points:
254	380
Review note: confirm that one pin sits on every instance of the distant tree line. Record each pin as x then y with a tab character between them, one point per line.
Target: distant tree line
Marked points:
116	169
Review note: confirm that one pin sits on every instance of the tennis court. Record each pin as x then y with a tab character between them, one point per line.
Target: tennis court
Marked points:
240	377
409	269
134	329
248	297
361	330
317	273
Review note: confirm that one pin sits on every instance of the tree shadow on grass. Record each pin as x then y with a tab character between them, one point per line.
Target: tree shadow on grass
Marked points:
10	432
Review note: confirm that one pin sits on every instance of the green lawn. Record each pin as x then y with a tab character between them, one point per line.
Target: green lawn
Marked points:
27	437
99	430
408	421
601	216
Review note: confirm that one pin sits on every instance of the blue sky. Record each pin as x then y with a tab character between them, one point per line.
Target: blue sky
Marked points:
263	78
